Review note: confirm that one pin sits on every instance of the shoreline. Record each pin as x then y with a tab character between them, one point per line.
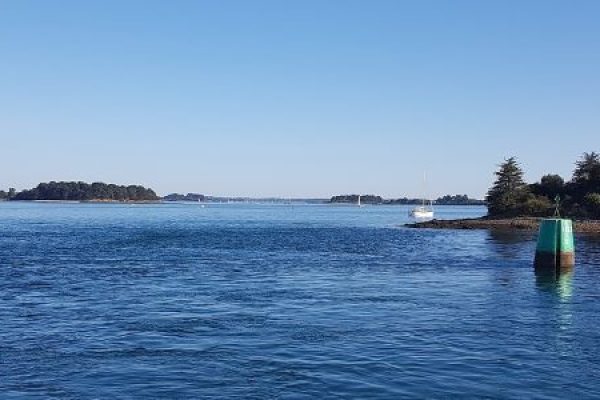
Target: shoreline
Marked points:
95	201
507	224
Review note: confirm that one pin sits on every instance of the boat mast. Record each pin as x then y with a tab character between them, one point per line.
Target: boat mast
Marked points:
424	189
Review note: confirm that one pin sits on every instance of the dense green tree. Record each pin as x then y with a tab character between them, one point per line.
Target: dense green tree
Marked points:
587	168
81	191
550	186
532	205
509	190
586	177
591	203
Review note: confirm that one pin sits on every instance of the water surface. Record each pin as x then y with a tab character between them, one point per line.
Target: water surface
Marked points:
281	301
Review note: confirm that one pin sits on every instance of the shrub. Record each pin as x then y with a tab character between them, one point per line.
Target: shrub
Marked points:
591	203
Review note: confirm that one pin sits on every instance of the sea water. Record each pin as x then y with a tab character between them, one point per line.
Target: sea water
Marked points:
285	301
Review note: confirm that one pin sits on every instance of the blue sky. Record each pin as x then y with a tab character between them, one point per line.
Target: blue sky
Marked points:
296	98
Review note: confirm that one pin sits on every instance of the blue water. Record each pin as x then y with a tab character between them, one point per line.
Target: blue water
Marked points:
280	301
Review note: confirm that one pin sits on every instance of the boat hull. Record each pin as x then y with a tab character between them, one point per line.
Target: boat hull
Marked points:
421	214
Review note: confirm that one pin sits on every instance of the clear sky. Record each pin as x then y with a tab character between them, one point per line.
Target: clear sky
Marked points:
296	98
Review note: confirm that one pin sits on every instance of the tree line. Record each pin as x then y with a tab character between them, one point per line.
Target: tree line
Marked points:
81	191
7	195
353	199
579	197
458	199
184	197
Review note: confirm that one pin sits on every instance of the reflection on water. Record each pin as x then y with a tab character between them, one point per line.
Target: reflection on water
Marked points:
503	238
559	285
520	246
509	245
556	282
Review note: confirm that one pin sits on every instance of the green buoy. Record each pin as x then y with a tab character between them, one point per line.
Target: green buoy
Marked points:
555	247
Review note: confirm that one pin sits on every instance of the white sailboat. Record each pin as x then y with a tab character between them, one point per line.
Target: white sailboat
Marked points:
358	202
423	211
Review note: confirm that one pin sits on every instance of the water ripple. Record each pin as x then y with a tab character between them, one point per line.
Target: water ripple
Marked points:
254	302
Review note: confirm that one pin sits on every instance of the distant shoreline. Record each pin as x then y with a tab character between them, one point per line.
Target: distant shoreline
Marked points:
222	201
506	224
99	201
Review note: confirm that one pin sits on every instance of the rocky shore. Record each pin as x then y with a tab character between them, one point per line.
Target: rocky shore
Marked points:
510	224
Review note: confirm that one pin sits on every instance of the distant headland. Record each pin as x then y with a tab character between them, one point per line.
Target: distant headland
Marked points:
81	191
459	199
184	197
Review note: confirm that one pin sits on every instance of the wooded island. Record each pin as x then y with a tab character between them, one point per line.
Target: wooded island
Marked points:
510	196
515	205
81	191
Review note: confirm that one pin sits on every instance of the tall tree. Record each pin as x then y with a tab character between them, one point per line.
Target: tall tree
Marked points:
508	191
586	177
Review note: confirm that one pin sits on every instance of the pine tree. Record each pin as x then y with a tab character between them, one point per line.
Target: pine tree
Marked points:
509	190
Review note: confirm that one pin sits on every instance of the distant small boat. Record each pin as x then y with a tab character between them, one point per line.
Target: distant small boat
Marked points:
422	211
358	202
